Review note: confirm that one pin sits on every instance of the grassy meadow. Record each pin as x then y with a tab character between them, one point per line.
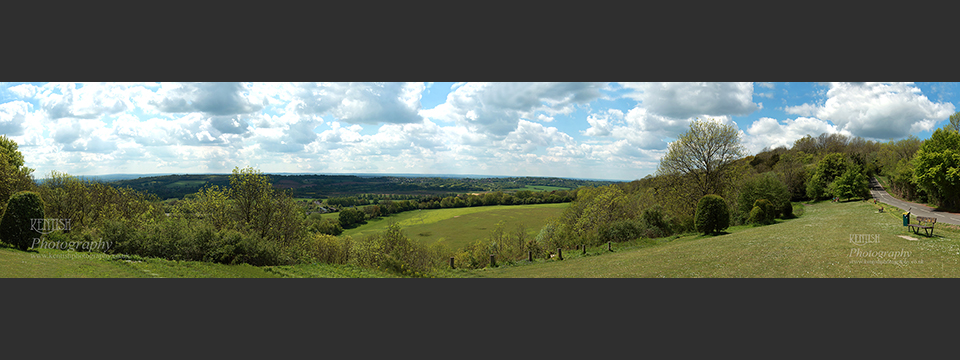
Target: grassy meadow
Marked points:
458	227
823	243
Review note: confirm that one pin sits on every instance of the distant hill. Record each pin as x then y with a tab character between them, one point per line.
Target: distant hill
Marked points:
324	186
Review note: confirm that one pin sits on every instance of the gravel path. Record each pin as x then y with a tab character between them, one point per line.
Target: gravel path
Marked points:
876	190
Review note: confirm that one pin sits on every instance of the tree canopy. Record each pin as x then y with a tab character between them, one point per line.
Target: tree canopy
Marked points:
954	123
937	167
704	153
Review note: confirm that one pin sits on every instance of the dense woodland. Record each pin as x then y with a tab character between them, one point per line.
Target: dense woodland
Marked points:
705	183
327	186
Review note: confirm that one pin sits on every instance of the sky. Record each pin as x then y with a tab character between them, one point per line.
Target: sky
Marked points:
606	130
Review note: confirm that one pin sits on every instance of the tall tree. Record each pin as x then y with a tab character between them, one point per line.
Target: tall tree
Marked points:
807	144
251	190
704	154
10	148
954	122
937	167
14	177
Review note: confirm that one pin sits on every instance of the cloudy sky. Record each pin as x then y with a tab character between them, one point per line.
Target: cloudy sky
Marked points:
615	131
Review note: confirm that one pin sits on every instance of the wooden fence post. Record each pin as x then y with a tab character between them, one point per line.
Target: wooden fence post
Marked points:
530	256
451	263
584	249
609	245
560	253
493	260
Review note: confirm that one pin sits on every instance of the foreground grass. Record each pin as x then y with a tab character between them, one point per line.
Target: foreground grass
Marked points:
458	227
46	263
818	244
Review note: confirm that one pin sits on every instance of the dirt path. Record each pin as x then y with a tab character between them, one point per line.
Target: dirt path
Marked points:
876	190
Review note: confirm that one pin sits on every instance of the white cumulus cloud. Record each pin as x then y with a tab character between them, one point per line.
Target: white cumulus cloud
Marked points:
684	100
878	110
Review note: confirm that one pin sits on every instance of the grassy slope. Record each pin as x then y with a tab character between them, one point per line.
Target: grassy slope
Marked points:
462	226
48	263
815	245
65	264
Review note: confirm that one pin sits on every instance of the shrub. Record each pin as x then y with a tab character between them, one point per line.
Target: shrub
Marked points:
122	238
762	213
766	186
712	214
769	210
756	216
536	247
787	211
182	239
331	249
15	225
548	238
653	222
620	231
325	226
474	256
349	218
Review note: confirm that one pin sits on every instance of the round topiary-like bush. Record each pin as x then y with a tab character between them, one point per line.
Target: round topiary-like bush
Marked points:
787	210
763	212
770	210
15	225
756	216
712	214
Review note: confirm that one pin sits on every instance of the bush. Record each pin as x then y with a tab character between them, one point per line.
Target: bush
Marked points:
620	231
331	249
756	215
767	212
653	222
536	247
349	218
712	214
182	239
766	186
15	225
122	238
787	211
474	256
324	226
392	250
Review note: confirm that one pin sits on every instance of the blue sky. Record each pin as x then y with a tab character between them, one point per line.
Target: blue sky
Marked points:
615	131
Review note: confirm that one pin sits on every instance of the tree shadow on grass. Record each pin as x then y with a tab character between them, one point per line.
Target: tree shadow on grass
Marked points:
4	245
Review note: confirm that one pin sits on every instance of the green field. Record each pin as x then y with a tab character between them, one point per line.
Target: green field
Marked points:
186	183
538	188
821	243
458	227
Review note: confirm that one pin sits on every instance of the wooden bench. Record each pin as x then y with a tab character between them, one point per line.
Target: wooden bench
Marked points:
925	223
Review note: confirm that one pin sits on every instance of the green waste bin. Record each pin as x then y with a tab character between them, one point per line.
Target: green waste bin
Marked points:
906	219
